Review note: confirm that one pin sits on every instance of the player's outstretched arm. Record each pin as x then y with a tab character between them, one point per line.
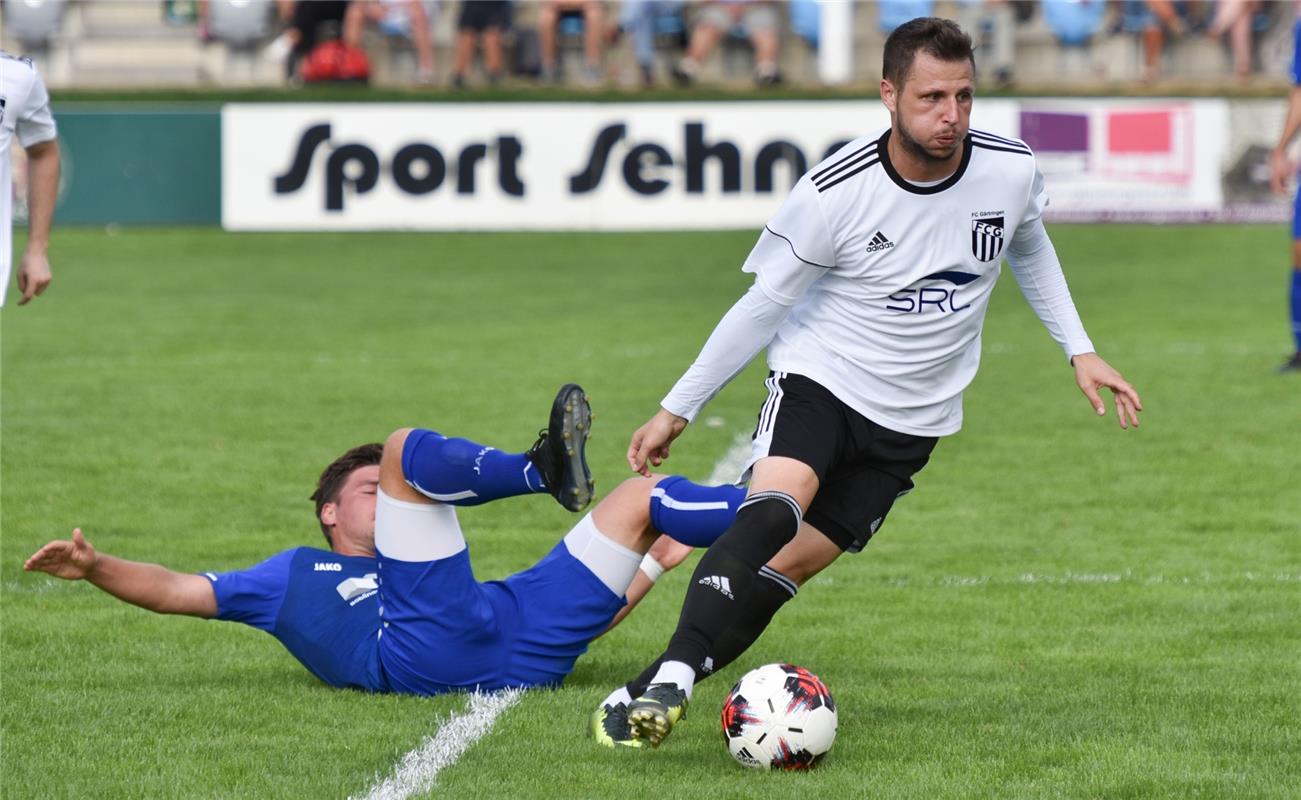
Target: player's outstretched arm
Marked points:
1093	374
651	441
146	585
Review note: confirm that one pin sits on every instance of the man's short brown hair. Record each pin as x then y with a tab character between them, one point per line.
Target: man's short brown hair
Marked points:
330	484
938	38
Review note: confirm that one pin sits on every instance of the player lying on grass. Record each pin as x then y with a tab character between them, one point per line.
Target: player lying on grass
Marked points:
393	605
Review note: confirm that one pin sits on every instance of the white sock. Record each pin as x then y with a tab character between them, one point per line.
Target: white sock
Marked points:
618	696
678	674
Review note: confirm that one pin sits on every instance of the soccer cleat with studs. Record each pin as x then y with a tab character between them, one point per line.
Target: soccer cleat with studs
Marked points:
653	715
560	454
609	727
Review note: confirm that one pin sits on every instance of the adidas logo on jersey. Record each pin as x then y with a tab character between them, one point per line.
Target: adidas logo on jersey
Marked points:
879	242
722	584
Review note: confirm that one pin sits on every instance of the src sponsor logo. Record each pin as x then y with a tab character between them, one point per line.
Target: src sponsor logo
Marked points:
922	299
417	168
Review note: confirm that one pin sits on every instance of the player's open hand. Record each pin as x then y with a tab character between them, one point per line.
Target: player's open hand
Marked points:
650	443
1092	374
1281	170
33	275
71	561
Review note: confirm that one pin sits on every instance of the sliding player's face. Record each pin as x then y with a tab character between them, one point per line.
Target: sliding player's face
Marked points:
932	111
353	516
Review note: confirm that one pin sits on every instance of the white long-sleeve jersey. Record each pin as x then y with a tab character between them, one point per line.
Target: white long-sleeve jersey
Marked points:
877	288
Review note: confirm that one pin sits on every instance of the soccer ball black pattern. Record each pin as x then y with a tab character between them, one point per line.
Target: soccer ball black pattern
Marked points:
779	716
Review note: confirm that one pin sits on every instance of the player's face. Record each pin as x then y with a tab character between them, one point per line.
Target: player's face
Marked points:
354	514
932	110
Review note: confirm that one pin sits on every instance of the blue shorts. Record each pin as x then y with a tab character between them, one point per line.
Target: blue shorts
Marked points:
562	607
444	631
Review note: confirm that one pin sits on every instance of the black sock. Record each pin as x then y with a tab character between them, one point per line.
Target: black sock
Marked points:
770	593
722	583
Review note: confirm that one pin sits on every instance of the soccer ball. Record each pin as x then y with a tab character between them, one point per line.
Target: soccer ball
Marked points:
779	715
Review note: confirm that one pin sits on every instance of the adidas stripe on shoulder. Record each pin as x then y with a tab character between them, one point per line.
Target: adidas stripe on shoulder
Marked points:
847	167
990	141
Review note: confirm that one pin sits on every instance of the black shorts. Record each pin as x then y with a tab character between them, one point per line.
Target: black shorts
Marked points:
861	466
480	15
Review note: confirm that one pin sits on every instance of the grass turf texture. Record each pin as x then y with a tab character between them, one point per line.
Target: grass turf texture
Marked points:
1060	609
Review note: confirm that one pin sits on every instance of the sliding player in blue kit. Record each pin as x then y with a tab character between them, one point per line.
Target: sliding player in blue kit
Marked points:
393	605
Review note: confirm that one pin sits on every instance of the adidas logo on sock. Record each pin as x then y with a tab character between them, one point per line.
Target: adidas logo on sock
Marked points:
879	242
722	584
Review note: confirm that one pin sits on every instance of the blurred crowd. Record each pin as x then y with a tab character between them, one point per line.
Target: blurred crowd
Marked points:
592	43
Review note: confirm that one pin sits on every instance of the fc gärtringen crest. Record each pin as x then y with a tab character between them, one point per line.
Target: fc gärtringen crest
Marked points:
986	237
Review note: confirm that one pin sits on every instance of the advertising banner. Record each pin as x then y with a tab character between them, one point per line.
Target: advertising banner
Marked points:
136	168
1128	160
532	166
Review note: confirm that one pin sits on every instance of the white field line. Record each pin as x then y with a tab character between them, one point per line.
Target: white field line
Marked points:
418	769
728	468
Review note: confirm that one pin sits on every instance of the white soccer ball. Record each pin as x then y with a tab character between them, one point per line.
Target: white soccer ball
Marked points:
779	715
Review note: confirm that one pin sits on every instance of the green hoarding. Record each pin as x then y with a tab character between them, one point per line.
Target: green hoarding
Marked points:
139	167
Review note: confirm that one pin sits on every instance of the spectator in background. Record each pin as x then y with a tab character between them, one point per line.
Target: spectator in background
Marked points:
408	19
1283	169
485	21
993	26
1236	18
1153	21
304	22
894	13
755	19
642	21
25	112
1074	23
550	15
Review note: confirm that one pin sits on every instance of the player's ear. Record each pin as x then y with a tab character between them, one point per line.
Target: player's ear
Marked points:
887	95
329	514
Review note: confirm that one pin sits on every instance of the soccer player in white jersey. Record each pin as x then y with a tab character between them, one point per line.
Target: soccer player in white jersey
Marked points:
871	286
25	113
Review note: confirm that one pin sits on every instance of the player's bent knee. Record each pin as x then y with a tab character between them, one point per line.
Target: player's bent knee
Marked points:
390	466
624	514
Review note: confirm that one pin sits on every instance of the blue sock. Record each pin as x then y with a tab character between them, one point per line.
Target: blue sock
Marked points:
465	473
691	513
1296	307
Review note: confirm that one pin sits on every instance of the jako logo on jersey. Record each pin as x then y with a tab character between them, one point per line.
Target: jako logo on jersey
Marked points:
720	583
416	168
879	242
328	567
939	298
986	237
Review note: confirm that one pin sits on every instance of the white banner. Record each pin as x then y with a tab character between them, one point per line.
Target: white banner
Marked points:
1129	159
532	166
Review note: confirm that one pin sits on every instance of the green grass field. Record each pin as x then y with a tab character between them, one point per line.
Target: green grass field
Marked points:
1061	609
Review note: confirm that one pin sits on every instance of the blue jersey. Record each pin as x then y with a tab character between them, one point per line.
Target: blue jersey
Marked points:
322	606
422	628
1296	53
